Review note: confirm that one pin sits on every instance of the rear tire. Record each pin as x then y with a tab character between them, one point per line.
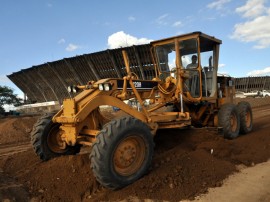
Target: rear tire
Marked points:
122	152
228	119
246	117
44	139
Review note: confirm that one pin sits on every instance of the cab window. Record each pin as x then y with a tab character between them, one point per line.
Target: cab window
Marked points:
166	57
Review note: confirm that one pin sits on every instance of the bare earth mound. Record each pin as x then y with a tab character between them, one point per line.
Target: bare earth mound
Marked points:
16	129
186	163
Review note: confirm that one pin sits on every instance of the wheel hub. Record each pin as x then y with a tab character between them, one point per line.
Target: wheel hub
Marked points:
55	140
129	155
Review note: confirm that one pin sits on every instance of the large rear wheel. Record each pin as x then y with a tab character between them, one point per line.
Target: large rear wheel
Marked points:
228	119
122	152
46	140
246	117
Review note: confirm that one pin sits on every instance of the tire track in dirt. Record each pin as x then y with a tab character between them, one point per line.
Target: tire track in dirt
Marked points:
8	150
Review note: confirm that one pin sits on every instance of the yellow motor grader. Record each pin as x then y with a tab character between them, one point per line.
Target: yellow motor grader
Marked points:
185	91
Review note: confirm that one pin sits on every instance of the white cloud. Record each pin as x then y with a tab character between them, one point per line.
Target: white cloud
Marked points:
262	72
218	5
166	20
257	30
61	41
252	8
121	39
177	24
223	73
162	20
72	47
186	60
257	27
221	65
172	63
131	19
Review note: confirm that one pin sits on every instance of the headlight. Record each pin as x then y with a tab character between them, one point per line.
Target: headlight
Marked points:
69	88
72	89
107	86
100	86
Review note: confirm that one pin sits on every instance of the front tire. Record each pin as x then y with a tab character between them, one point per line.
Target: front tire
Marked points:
122	152
228	119
246	117
45	139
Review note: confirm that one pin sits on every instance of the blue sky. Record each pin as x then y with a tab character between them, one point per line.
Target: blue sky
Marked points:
34	31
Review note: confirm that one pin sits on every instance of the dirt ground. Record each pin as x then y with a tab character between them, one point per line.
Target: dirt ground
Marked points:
249	185
187	163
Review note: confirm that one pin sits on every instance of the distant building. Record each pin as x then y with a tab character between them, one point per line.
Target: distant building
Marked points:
247	84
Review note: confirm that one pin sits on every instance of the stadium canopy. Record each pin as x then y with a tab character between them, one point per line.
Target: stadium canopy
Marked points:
49	81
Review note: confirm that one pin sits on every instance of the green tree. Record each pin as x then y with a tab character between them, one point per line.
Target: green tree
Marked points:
8	97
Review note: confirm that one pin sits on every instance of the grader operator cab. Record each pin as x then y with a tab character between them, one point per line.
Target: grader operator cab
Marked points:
122	147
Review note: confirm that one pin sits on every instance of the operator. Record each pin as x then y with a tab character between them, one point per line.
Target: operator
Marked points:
194	63
193	82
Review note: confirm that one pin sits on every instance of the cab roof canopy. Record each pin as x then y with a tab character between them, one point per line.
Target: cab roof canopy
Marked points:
206	42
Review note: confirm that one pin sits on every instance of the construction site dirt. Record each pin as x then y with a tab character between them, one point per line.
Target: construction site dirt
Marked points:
186	164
